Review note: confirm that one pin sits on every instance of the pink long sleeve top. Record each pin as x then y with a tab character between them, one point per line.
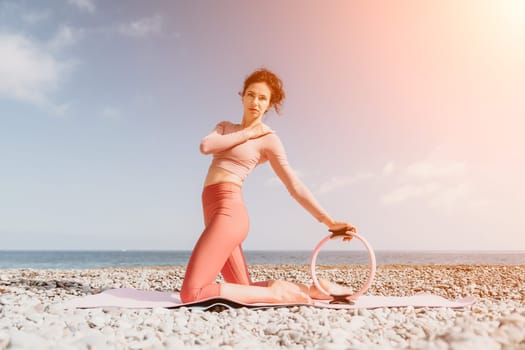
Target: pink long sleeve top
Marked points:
233	151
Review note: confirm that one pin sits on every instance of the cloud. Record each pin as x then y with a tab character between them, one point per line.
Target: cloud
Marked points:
409	191
439	184
275	181
437	195
449	196
29	73
142	27
111	113
429	170
66	36
36	17
85	5
338	182
388	169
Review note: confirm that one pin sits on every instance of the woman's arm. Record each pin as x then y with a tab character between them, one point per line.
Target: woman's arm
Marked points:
217	141
276	154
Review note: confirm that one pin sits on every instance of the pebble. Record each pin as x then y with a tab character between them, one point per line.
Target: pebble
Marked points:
174	342
6	301
92	341
357	323
26	340
5	339
29	318
97	322
166	326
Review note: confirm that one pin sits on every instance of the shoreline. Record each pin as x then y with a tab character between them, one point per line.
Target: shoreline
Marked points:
28	318
96	259
278	266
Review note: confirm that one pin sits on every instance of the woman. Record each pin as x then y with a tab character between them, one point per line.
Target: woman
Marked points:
237	149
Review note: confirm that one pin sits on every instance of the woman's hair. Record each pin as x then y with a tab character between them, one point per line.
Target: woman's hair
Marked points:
263	75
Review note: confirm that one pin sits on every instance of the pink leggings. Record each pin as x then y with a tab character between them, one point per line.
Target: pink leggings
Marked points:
219	246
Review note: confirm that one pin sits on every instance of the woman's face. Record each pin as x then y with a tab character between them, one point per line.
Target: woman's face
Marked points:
256	100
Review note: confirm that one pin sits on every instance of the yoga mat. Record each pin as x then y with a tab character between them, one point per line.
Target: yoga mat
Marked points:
135	298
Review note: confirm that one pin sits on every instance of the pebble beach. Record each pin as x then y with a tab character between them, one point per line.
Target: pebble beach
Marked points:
31	319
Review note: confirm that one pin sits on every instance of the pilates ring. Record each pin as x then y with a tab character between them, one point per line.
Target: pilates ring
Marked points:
345	298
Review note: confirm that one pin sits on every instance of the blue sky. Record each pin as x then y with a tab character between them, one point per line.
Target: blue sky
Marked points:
404	118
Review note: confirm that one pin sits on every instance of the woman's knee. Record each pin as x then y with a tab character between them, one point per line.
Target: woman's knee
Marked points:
189	295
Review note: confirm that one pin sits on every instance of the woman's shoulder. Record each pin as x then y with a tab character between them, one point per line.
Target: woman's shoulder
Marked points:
271	132
267	127
271	141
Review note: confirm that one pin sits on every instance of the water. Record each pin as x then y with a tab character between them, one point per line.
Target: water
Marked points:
95	259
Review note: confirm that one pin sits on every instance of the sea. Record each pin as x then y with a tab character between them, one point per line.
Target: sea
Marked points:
62	259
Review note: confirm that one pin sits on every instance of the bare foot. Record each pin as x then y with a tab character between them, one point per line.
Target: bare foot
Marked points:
288	292
330	287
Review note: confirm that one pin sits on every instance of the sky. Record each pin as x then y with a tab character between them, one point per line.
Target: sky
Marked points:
404	118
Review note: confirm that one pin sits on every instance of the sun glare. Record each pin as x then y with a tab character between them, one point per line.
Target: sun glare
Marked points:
512	11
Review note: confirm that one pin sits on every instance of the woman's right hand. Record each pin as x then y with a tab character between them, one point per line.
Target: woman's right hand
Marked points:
258	130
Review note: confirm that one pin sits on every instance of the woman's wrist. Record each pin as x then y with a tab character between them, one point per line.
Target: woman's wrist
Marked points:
328	221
